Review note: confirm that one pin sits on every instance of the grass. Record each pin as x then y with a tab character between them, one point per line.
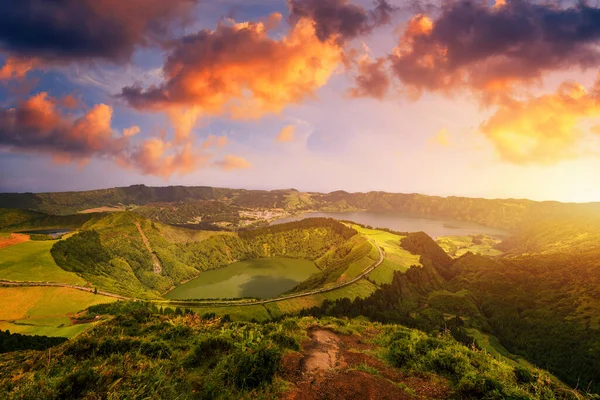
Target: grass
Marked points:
362	288
236	313
32	261
457	246
492	345
396	258
181	235
45	310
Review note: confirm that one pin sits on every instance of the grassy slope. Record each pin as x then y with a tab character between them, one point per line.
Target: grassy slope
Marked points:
32	261
44	310
139	355
396	258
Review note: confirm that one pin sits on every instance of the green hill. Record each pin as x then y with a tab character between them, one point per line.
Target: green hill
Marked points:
110	251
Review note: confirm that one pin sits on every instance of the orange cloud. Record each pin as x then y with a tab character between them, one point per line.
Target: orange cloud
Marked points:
131	131
16	68
38	125
160	158
545	129
230	71
231	162
215	141
286	134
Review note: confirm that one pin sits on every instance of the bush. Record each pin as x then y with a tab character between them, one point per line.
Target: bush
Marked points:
76	383
249	370
159	350
285	341
208	352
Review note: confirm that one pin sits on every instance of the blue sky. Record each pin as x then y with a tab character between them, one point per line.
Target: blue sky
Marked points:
445	141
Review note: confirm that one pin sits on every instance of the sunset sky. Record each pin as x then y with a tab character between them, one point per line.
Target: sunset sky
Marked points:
476	99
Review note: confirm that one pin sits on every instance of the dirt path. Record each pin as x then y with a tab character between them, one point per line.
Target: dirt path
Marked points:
322	355
335	366
155	262
14	238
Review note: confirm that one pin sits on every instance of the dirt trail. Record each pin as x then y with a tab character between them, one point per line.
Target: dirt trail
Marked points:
155	262
14	238
323	354
334	366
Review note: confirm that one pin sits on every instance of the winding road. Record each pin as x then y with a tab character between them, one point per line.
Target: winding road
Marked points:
212	303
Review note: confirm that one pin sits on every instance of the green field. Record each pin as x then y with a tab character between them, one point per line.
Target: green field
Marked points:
265	277
396	258
45	310
457	246
32	261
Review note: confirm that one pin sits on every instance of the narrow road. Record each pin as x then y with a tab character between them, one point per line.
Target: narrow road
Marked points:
213	303
155	261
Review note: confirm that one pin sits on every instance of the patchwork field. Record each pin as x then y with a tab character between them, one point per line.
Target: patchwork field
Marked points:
32	261
11	239
45	310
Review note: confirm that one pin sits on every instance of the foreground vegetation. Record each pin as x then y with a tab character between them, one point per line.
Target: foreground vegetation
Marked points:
143	354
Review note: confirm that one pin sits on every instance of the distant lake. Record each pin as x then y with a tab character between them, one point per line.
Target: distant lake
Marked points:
434	227
55	233
262	278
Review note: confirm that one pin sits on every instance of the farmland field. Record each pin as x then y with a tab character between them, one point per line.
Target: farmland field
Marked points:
32	261
45	310
265	277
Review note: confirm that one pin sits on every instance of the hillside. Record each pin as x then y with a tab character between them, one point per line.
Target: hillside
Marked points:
545	308
192	201
143	354
110	251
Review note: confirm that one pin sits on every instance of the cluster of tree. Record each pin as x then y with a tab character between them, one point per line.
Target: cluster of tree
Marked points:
15	341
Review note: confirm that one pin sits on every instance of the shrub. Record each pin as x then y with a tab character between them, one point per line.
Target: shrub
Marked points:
155	350
249	370
208	352
285	341
76	383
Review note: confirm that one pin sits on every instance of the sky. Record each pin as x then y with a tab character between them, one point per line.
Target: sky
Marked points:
496	99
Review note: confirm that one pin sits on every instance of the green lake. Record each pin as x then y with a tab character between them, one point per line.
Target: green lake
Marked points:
262	278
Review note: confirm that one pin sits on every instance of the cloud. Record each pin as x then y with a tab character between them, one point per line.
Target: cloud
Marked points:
131	131
215	141
372	79
153	157
16	68
442	138
39	125
81	30
340	19
543	130
492	49
286	134
239	71
231	162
